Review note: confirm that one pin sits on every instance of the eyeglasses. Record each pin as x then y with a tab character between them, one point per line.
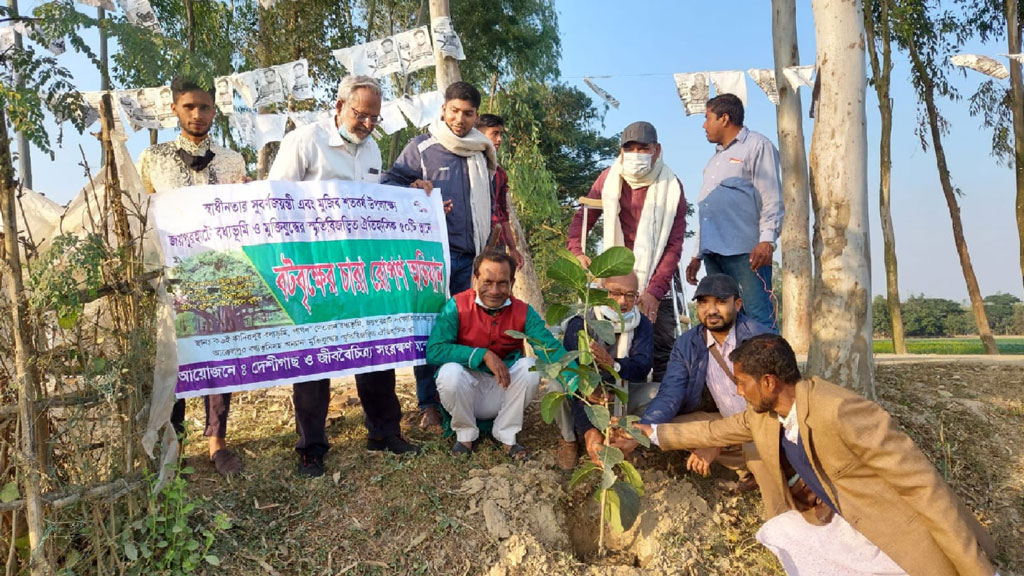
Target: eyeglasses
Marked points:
364	118
628	296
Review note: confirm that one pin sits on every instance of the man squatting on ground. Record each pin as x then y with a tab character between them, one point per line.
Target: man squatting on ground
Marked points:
340	148
192	159
838	459
460	161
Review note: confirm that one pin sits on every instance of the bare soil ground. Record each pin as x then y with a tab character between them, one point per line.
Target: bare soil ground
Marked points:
375	514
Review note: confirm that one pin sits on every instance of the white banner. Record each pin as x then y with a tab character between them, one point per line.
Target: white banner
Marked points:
693	89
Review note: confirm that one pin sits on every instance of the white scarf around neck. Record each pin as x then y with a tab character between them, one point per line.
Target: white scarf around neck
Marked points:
481	160
656	218
624	326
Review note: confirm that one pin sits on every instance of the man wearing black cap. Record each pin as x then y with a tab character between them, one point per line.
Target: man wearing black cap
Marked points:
699	383
648	200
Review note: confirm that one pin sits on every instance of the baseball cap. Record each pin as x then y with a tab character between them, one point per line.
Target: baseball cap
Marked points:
717	285
642	132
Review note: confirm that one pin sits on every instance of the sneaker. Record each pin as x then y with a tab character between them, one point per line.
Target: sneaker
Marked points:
311	465
565	458
430	419
393	444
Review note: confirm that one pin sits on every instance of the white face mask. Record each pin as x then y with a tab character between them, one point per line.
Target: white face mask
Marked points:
636	164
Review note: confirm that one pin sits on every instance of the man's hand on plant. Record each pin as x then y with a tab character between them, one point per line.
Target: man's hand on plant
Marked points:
625	443
649	305
498	368
584	260
603	359
700	460
645	429
594	440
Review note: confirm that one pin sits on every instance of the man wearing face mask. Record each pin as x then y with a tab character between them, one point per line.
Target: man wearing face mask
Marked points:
645	211
630	357
340	148
740	207
460	161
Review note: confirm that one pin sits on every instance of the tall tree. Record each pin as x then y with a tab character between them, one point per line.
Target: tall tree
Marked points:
927	37
1013	29
841	335
879	38
796	248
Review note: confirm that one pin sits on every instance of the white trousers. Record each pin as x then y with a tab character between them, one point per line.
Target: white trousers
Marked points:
469	394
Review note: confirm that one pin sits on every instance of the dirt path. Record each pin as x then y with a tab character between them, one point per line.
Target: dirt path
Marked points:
380	514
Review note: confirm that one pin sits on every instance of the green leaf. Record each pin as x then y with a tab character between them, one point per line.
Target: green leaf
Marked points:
131	552
550	405
608	478
628	504
603	329
583	347
9	493
568	358
550	370
598	416
556	313
637	435
582	472
632	477
620	393
516	334
212	560
610	456
615	261
588	380
568	274
67	321
564	254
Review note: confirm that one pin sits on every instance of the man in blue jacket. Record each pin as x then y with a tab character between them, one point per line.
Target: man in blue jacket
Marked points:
699	382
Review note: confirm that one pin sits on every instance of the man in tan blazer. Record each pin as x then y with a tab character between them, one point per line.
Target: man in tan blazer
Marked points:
852	457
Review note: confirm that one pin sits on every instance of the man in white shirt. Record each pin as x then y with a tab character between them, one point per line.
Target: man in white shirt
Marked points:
341	148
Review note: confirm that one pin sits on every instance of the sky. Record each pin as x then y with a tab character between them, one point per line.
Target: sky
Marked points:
639	45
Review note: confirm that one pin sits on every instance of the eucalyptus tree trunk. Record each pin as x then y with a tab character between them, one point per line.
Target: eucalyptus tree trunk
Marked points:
24	148
26	376
881	73
796	245
840	348
447	68
927	90
1017	90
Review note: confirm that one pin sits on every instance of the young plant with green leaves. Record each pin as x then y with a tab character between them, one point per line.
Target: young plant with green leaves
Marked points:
620	485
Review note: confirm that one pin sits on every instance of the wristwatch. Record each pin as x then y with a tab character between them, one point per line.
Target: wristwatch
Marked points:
617	367
773	245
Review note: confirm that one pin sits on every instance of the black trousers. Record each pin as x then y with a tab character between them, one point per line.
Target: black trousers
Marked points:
217	408
664	335
382	414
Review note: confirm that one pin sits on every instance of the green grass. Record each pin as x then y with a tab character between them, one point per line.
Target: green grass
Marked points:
966	345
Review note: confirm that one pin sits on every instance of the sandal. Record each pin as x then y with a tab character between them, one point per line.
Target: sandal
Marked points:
517	453
226	462
460	449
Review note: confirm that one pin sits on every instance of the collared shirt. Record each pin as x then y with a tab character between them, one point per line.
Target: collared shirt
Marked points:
318	152
161	168
741	198
790	426
722	388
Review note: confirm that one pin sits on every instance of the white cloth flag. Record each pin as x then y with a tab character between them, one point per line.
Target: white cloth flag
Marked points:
224	95
601	92
983	64
140	13
245	125
415	49
304	117
393	121
353	59
765	78
422	109
295	79
105	4
799	76
730	82
693	90
268	128
446	40
6	38
382	57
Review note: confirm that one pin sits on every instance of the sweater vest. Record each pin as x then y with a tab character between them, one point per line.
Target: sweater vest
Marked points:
481	329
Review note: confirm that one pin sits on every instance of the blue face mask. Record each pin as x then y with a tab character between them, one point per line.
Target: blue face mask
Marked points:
350	138
480	303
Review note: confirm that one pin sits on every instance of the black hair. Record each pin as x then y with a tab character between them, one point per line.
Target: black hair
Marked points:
181	85
492	255
463	91
767	354
727	104
489	121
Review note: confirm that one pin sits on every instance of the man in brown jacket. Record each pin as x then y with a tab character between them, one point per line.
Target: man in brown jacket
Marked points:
852	457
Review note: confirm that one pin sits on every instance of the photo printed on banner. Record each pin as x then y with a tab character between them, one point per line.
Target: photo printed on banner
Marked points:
164	112
984	64
446	41
415	49
224	95
245	124
693	89
382	57
730	82
140	107
295	79
107	5
601	92
56	46
765	78
269	89
93	114
140	13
